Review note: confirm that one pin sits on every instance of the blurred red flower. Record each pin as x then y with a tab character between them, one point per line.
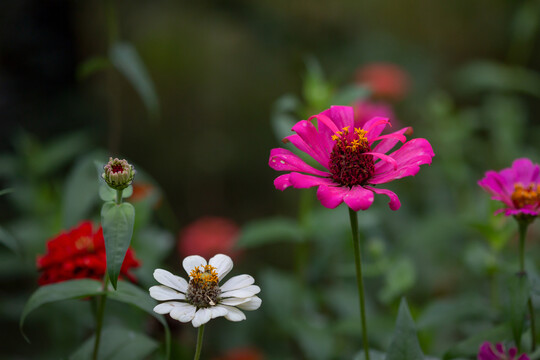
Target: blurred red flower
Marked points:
79	253
242	354
386	80
208	236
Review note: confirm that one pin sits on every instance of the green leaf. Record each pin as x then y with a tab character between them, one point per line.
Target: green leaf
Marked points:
106	193
350	94
133	295
469	347
71	289
399	278
117	222
404	345
6	191
91	66
515	307
269	231
126	59
80	191
117	344
9	241
316	91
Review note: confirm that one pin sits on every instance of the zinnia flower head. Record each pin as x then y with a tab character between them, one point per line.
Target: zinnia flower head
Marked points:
118	173
202	299
489	352
518	188
79	253
385	80
209	235
354	159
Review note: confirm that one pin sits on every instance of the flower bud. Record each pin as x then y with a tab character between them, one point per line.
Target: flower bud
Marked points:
118	173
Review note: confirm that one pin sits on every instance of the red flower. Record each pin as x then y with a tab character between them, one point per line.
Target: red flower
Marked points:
385	80
242	354
208	236
77	254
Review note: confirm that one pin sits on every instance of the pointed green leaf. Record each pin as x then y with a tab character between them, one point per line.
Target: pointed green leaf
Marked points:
117	344
79	195
126	59
131	294
91	66
404	345
71	289
9	241
117	222
6	191
515	306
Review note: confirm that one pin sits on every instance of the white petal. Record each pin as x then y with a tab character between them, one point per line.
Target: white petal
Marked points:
160	292
234	301
237	282
253	304
248	291
183	312
164	308
218	311
191	262
202	317
166	278
234	314
222	263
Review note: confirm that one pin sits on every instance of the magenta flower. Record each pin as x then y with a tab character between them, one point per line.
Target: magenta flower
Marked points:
489	352
517	187
353	164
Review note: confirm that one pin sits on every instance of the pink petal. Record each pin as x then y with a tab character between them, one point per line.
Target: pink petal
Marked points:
383	157
331	196
297	141
303	181
282	182
285	160
387	145
409	157
359	198
497	186
307	131
394	136
332	120
526	171
394	203
375	127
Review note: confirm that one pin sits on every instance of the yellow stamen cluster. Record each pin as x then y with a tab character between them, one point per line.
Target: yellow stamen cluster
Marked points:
84	243
204	276
359	140
523	196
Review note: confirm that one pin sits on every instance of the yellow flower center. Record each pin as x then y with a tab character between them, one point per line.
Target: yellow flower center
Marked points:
523	196
203	276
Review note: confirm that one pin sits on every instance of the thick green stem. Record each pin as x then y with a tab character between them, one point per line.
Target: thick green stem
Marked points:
199	343
119	196
523	225
359	279
99	317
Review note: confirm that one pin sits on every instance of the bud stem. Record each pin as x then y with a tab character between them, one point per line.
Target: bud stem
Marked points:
119	197
523	225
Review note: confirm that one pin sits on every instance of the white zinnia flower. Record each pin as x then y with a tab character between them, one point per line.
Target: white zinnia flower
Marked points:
202	298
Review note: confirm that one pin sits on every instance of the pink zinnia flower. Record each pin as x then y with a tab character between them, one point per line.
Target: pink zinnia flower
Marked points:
517	187
352	161
489	352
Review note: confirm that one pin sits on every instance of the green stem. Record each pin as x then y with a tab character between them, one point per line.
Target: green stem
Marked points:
99	317
523	225
359	278
119	196
199	343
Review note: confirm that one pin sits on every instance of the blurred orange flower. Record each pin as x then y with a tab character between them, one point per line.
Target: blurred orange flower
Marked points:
208	236
386	80
242	354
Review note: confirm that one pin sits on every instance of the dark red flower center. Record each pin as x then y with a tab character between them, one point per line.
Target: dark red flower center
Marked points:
349	165
526	196
116	168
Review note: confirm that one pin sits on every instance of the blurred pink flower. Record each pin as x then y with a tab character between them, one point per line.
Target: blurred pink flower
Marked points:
208	236
518	188
489	352
351	160
385	80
